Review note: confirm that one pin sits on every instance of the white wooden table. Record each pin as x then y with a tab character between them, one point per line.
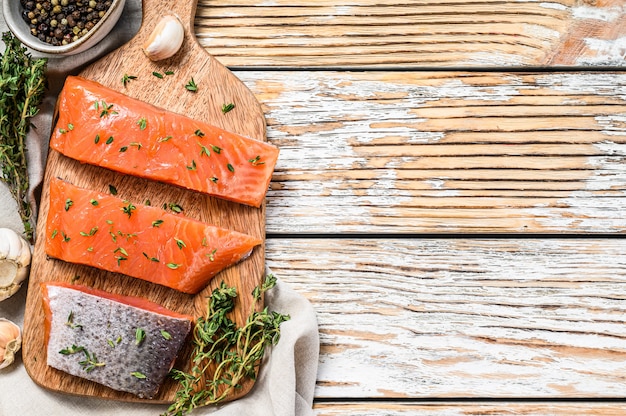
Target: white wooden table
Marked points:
450	196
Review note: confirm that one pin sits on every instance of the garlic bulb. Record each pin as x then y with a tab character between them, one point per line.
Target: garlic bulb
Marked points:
14	262
166	38
10	341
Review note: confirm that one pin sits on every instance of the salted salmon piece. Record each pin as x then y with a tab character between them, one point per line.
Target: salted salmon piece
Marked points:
126	343
103	127
104	231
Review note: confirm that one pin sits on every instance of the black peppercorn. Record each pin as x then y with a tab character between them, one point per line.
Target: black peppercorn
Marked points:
62	21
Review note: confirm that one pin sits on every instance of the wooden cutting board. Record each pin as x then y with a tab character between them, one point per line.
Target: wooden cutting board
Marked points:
216	86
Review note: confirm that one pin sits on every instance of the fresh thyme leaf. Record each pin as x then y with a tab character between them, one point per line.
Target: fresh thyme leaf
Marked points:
227	107
128	209
140	336
70	321
90	362
22	85
176	208
166	335
191	85
154	259
120	259
138	375
217	339
107	109
121	250
71	350
256	161
127	78
204	150
113	190
90	233
158	75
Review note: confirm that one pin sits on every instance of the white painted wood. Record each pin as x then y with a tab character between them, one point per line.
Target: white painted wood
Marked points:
445	151
419	318
418	33
463	409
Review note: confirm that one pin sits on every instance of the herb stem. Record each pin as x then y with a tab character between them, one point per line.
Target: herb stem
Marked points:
234	352
22	85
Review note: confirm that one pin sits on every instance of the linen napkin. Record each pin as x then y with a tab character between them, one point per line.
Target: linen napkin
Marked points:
286	382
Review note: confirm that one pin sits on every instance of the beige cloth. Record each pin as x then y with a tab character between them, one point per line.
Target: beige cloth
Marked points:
286	381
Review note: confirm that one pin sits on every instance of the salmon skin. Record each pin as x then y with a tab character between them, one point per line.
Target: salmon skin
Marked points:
125	343
103	127
104	231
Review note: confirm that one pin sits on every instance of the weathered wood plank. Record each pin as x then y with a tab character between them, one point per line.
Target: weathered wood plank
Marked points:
451	33
499	318
459	409
445	151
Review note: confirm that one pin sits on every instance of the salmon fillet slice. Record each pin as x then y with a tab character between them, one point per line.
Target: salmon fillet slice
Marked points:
103	231
103	127
125	343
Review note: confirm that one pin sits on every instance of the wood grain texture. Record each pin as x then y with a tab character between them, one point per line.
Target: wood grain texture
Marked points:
457	33
463	318
465	409
216	86
445	152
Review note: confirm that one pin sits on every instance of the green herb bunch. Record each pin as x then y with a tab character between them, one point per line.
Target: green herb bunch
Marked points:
235	352
22	85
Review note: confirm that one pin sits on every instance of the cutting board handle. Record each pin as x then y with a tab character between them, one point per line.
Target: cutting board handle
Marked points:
154	10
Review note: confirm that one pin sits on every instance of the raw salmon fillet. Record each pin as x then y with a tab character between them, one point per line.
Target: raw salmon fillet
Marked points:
103	127
125	343
103	231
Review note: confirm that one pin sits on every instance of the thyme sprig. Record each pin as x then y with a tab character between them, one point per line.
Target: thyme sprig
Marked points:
22	85
235	352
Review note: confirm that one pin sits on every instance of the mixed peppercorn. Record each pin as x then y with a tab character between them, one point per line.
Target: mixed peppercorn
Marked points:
60	22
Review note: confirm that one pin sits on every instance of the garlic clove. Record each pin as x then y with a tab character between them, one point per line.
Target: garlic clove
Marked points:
15	257
166	38
10	342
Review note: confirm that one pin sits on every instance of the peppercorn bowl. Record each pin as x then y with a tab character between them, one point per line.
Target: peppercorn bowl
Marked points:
61	27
